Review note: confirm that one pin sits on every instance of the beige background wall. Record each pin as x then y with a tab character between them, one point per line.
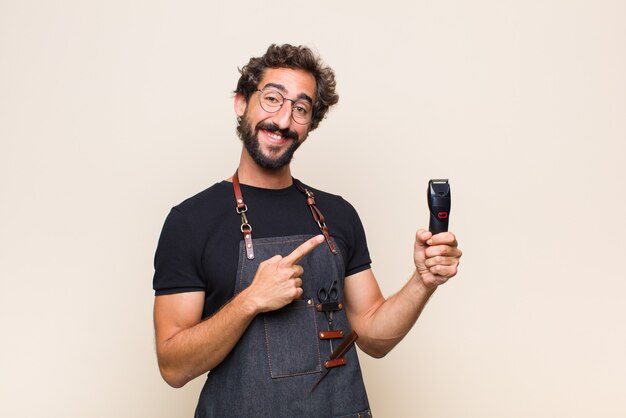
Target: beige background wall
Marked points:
112	112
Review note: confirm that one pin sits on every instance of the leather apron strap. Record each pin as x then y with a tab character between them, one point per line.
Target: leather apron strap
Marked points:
246	228
317	214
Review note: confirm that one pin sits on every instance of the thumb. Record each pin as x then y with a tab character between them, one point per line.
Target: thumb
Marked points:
421	238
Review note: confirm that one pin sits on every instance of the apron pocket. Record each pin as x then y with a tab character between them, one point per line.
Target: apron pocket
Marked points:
292	341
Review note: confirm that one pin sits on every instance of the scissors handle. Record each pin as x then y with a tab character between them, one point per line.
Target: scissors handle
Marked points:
329	294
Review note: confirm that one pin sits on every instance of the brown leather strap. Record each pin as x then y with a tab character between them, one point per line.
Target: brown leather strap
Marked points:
329	306
341	361
241	209
345	345
317	214
336	358
246	229
237	189
331	334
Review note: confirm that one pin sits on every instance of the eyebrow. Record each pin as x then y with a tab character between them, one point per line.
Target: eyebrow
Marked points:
282	89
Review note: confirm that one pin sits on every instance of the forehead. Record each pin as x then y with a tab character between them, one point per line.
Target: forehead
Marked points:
294	82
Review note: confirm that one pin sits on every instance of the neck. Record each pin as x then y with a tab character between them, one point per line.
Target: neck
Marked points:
252	174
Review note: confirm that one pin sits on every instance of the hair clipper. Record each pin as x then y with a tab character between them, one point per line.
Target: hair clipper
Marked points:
439	205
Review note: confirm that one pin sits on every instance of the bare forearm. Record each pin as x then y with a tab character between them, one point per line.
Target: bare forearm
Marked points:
387	325
196	350
380	323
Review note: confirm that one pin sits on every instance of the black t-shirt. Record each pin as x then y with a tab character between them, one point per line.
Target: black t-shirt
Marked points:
199	245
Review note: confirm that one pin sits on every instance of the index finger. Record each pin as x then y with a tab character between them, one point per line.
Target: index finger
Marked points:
445	238
304	248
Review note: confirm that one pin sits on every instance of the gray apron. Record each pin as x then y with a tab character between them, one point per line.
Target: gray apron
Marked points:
271	370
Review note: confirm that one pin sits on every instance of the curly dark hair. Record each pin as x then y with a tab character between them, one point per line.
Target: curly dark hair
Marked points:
295	57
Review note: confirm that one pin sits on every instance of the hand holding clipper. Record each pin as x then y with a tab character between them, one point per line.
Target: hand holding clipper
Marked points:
439	201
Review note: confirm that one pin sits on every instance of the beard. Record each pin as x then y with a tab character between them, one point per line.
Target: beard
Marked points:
250	139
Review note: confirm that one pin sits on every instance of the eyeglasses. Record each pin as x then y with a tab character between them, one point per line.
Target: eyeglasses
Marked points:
272	100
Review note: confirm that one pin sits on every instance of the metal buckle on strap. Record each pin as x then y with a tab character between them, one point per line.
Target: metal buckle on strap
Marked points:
244	220
241	209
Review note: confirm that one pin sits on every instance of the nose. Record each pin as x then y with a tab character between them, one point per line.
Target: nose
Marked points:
282	118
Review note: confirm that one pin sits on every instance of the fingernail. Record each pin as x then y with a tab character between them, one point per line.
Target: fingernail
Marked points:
429	242
320	238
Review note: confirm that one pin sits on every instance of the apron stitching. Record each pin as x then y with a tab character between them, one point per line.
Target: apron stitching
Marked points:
318	368
240	287
267	346
280	242
319	355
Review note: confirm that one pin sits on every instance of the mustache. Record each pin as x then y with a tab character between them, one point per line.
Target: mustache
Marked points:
272	127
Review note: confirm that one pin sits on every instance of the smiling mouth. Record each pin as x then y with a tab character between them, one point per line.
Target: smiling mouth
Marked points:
275	138
274	135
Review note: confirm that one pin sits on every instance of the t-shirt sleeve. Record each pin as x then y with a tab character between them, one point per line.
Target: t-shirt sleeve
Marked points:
358	253
177	262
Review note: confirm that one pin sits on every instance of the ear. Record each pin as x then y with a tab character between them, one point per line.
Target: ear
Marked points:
240	105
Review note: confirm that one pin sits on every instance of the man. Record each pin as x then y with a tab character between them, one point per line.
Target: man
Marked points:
248	290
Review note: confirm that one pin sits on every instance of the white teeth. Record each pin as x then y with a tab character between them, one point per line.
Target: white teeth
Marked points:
273	135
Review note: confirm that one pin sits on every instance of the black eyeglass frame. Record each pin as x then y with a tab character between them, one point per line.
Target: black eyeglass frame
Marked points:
293	102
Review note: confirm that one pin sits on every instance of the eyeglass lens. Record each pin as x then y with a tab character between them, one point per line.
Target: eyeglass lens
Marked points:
272	100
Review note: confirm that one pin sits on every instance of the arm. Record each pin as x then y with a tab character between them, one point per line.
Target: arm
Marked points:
188	347
382	323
